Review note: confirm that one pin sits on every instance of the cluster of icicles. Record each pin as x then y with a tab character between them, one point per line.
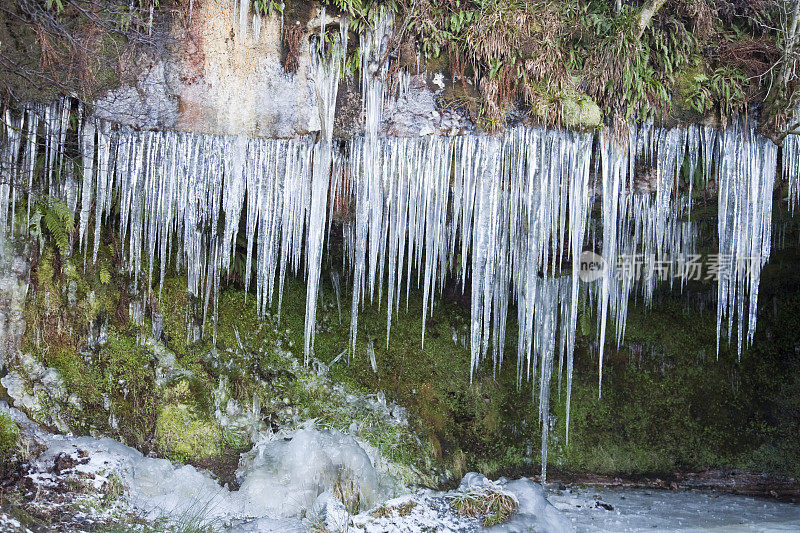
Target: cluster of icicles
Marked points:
506	216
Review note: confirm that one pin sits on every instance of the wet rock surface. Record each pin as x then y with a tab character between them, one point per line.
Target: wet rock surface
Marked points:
224	75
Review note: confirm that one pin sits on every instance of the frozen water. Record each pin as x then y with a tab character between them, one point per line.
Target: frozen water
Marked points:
506	213
662	511
327	65
281	477
428	510
748	162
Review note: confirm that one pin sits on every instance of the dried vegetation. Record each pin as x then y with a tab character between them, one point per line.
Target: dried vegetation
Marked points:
711	57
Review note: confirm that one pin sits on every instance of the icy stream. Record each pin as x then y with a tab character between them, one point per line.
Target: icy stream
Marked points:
662	511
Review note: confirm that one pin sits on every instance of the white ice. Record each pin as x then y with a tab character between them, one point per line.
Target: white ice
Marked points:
663	511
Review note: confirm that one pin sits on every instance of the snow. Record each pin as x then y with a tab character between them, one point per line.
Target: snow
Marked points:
10	524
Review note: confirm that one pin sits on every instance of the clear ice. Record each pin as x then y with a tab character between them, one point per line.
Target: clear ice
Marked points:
506	216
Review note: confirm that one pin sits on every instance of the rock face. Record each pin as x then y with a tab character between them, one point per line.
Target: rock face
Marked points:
13	290
224	77
34	387
38	390
416	112
221	73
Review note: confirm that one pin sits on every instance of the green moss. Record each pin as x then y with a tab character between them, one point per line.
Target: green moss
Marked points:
184	434
580	111
669	403
129	381
9	436
69	299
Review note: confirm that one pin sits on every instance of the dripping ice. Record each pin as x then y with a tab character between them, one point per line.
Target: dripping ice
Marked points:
506	214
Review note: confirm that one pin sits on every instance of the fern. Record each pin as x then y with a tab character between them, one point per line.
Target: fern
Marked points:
52	221
57	5
105	275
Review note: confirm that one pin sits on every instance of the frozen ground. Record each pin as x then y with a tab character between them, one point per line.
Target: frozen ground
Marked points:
663	510
290	483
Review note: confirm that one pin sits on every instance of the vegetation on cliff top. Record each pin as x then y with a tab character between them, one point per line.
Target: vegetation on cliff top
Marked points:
669	60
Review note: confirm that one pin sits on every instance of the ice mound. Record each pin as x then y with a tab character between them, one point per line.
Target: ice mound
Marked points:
535	512
286	475
428	510
281	477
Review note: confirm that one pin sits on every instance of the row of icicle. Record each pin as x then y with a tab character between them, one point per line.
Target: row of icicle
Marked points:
505	216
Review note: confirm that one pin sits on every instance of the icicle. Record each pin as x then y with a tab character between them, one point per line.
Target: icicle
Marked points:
614	160
791	163
746	176
578	213
369	179
483	250
87	156
104	184
327	67
10	170
371	354
30	154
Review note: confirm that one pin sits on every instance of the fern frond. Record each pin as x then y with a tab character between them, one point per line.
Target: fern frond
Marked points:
53	218
105	275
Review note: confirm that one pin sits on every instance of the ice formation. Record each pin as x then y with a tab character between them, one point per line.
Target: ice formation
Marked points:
791	162
281	477
327	66
507	213
747	162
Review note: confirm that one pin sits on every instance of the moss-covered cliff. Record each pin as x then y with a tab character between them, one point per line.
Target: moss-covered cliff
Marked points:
149	372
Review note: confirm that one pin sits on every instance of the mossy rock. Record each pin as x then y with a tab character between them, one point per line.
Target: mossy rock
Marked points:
9	437
579	111
185	434
681	110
